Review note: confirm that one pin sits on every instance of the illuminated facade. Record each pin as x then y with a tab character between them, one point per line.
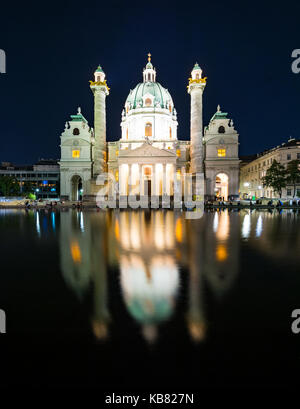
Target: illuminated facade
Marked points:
149	160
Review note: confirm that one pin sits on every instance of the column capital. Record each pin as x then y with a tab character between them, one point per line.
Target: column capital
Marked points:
98	86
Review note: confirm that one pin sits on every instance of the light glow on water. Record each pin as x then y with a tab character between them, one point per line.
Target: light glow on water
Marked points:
246	228
259	226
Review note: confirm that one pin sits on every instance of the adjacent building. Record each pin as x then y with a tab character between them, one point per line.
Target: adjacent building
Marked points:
254	168
42	178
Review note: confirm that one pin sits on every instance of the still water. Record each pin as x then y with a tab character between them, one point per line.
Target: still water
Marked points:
148	299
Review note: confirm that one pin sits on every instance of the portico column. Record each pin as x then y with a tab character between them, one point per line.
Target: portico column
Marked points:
120	181
153	181
129	179
182	179
164	180
172	181
140	179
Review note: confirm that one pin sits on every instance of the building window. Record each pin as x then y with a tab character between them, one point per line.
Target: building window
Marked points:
127	133
75	131
221	153
76	153
170	108
178	152
221	129
147	170
289	192
148	102
298	156
288	156
170	131
148	129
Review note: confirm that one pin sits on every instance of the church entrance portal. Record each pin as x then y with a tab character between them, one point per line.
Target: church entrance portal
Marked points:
76	185
221	189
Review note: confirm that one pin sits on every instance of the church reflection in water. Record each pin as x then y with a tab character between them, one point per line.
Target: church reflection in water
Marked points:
160	257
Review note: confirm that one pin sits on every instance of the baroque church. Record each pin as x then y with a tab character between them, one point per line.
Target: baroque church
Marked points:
149	160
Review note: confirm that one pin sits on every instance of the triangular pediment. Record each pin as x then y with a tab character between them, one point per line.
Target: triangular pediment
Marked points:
146	150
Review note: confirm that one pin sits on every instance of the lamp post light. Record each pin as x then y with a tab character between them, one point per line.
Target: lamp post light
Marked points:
247	185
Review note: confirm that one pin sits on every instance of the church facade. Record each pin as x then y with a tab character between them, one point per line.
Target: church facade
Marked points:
149	160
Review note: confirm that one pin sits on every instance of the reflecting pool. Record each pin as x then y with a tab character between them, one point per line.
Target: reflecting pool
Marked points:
140	299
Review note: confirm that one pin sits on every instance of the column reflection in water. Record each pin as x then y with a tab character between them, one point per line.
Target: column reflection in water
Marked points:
150	249
220	246
83	260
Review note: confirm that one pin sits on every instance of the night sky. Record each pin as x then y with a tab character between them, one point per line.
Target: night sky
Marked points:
52	48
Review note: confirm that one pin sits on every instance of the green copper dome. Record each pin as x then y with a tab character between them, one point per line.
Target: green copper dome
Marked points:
196	67
161	94
99	69
149	65
219	114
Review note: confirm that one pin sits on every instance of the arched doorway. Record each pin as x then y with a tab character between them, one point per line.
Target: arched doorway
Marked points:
76	188
221	188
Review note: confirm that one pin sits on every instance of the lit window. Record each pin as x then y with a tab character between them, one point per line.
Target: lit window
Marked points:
148	129
117	153
178	152
117	175
148	102
221	153
76	153
170	130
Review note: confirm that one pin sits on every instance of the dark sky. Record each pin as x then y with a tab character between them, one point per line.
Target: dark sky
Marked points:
53	48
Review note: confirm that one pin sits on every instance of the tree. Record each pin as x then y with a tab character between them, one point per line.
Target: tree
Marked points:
9	186
293	174
275	177
28	188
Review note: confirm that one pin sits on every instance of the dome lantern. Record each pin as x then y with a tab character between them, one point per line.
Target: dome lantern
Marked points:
149	73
